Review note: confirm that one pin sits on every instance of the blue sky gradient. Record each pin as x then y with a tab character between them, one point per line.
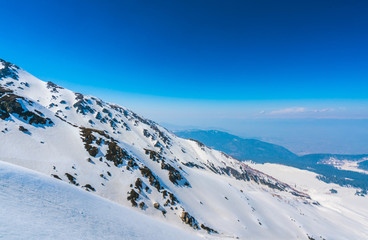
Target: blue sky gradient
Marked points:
236	50
185	62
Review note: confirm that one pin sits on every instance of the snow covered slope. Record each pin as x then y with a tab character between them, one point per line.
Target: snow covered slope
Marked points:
115	153
333	196
33	206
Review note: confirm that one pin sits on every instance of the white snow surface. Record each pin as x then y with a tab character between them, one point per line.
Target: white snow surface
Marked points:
175	179
34	206
345	164
344	201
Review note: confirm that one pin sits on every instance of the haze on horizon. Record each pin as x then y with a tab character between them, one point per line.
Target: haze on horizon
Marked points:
290	72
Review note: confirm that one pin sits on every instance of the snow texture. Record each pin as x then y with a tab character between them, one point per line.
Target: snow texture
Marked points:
33	206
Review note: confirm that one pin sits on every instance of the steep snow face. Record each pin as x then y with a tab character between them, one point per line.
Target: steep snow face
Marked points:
34	206
115	153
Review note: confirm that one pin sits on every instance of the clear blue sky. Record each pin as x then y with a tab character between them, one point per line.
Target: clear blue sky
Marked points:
202	60
201	49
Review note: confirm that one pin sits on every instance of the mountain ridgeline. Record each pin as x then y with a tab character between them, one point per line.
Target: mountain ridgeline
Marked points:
240	148
111	151
263	152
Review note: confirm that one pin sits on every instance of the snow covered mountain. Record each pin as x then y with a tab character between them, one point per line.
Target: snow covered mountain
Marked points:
115	153
345	170
240	148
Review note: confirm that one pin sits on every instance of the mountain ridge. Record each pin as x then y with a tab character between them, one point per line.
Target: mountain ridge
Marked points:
240	148
329	166
111	151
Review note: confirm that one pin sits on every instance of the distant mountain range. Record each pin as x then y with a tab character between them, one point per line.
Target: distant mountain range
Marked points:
240	148
337	168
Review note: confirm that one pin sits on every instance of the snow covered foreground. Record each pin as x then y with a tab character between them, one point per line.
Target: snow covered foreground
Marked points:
34	206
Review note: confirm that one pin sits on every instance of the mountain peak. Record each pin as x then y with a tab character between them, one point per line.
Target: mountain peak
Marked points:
8	69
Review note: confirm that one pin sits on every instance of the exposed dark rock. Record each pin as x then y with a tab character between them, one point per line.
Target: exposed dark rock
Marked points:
107	112
39	113
138	184
98	116
361	193
72	179
188	219
88	187
166	139
23	129
163	212
127	128
192	164
201	145
56	176
164	193
156	205
11	104
159	145
54	88
146	133
99	141
173	199
114	153
82	105
93	151
174	175
90	161
117	154
249	174
132	197
153	155
142	205
71	124
147	173
131	163
333	191
212	167
25	84
208	229
139	118
103	176
167	203
9	70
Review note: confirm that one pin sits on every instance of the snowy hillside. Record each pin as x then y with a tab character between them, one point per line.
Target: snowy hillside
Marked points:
240	148
111	151
34	206
332	196
345	170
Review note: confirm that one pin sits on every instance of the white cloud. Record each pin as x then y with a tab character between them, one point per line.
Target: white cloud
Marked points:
289	110
322	110
299	110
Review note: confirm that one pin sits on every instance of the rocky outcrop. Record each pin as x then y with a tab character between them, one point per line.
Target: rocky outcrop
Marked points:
12	104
